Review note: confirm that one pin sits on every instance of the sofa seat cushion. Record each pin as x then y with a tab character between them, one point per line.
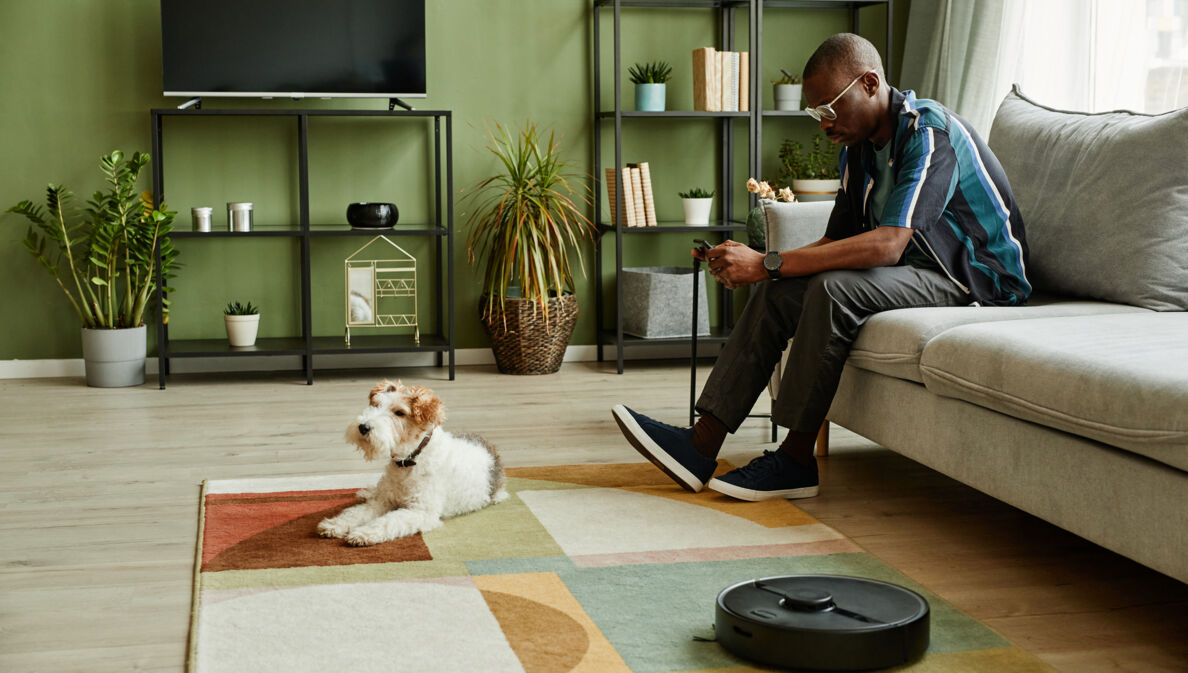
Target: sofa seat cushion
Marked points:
1119	379
891	342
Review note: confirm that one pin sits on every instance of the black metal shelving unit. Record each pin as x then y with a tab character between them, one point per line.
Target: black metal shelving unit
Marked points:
307	345
726	226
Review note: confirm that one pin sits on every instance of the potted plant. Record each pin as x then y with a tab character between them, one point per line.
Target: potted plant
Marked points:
786	91
242	322
650	80
697	203
815	175
103	260
524	224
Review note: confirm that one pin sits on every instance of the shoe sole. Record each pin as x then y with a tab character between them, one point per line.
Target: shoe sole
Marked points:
652	451
751	495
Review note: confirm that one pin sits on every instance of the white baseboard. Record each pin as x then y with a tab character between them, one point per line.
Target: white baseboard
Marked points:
50	368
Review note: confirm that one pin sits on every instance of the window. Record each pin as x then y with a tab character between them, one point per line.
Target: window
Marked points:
1097	55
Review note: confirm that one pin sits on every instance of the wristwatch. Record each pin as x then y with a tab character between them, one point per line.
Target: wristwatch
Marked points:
772	262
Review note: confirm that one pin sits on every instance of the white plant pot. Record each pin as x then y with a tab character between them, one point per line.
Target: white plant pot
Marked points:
697	211
241	329
815	190
786	96
114	358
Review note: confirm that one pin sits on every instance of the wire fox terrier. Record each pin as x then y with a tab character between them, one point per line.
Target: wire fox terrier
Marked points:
431	474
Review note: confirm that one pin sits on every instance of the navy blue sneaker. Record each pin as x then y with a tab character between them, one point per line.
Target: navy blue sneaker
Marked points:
668	447
770	476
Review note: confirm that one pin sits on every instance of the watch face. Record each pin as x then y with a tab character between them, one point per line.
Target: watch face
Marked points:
772	261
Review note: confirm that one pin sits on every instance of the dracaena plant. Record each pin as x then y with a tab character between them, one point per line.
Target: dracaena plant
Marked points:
525	222
102	257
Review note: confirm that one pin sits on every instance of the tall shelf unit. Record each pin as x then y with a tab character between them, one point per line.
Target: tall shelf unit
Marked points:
729	23
307	345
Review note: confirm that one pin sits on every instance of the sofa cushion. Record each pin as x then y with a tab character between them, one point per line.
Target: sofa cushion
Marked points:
794	225
1120	379
891	342
1103	198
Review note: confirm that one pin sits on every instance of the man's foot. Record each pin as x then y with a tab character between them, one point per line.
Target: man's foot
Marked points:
668	447
770	476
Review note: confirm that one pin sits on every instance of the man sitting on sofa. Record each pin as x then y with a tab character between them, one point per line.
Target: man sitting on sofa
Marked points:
924	217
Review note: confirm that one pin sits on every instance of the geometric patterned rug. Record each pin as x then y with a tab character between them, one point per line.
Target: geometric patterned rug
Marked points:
599	568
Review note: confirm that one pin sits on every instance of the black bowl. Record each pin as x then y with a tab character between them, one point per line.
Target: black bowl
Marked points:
372	215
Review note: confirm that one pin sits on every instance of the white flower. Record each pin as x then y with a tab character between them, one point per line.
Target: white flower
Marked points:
786	194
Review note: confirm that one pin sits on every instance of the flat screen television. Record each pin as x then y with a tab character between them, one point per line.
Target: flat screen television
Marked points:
294	48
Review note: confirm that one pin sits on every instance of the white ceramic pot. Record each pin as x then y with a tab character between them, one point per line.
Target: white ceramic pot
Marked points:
241	329
786	96
697	211
815	190
114	358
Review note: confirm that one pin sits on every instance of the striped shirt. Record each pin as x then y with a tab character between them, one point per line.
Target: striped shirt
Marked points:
951	191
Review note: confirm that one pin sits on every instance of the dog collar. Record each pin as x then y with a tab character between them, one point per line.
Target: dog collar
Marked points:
409	462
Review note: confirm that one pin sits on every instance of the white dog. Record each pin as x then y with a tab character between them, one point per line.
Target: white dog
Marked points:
431	475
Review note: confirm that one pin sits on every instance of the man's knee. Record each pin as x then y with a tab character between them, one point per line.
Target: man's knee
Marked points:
830	285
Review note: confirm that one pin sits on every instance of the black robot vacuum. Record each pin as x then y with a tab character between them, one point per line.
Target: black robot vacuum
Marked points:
822	622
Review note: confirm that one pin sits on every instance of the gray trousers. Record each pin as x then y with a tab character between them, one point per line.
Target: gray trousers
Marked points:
824	313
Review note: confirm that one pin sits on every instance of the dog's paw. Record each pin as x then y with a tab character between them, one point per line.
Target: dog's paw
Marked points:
365	537
364	494
333	528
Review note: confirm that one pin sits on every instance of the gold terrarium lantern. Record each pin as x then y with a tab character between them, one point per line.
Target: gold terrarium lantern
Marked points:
381	288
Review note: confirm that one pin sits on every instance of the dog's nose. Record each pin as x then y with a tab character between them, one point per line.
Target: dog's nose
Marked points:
364	428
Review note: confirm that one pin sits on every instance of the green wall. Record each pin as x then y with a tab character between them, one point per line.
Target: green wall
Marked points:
78	78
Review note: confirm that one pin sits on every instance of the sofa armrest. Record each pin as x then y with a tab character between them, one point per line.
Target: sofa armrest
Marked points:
794	225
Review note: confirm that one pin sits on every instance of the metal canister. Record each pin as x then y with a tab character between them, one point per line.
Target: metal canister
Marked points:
201	217
239	216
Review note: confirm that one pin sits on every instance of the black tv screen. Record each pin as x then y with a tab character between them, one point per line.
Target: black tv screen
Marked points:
294	48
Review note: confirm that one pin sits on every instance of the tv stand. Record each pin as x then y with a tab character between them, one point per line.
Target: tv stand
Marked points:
195	103
436	325
393	102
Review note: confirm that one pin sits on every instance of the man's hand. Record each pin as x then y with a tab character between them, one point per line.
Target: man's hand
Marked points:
733	264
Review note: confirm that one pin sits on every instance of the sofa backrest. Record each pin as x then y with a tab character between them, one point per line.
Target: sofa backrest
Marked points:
1104	199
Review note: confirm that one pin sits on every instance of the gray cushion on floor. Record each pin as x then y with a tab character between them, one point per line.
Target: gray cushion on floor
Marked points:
891	342
1120	379
1104	200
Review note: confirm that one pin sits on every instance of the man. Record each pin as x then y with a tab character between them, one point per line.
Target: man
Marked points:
924	217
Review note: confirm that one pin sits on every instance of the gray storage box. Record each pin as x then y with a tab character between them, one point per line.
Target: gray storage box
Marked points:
658	302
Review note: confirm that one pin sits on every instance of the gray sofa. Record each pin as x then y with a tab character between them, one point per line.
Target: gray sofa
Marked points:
1075	407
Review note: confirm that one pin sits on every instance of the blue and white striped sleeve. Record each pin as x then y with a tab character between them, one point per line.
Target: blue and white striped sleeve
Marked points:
925	183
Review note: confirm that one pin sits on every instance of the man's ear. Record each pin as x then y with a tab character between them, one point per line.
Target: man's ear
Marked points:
425	407
384	386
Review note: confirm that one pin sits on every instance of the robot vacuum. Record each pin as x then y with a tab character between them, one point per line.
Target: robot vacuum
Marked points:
822	622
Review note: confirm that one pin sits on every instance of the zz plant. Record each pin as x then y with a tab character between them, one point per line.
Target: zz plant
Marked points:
102	258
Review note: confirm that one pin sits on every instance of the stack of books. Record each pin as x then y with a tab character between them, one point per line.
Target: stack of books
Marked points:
638	206
721	80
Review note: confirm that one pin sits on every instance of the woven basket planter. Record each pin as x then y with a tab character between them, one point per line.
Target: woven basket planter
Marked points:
527	346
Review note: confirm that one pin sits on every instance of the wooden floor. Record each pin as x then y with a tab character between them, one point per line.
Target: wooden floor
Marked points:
99	493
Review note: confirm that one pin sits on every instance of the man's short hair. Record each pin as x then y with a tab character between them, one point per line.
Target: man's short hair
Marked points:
847	52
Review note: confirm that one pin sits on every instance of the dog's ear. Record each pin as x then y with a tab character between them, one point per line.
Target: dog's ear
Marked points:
425	407
384	386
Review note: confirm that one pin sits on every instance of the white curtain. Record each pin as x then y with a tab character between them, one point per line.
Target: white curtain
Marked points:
1089	55
952	53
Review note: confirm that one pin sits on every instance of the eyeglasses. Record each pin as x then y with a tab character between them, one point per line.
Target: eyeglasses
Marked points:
826	111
